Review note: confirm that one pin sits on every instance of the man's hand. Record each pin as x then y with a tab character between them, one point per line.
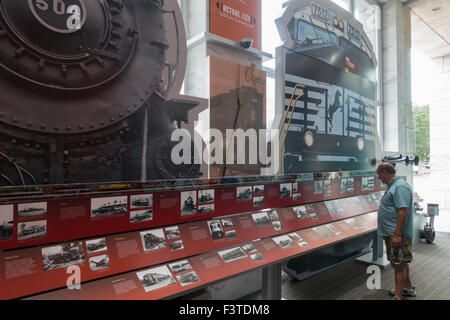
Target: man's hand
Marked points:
396	241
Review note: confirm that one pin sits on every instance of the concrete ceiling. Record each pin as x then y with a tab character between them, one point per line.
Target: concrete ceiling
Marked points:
430	27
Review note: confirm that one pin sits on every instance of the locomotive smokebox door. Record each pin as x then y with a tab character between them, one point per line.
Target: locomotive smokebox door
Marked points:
73	73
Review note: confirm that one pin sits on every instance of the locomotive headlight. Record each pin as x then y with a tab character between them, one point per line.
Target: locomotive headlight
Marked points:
360	143
309	139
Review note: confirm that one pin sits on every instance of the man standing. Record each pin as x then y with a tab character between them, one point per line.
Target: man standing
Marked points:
395	223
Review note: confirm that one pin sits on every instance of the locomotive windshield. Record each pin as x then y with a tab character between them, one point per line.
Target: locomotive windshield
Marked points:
309	34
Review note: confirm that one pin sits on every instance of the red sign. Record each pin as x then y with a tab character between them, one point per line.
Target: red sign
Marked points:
236	20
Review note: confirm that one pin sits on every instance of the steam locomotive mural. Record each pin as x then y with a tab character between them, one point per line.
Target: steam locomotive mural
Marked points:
89	90
327	94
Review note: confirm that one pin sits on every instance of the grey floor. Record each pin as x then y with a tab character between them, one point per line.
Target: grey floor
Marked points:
430	273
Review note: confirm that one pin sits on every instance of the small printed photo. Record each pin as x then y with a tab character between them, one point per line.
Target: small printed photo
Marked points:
332	206
216	229
285	190
172	232
231	234
273	215
188	203
318	186
297	196
155	278
99	262
314	216
324	232
31	229
227	223
96	245
176	245
62	256
6	221
350	190
153	239
141	201
294	236
248	248
261	218
326	184
327	192
243	193
301	212
344	186
295	187
258	190
284	241
110	206
180	266
141	215
31	209
303	244
206	208
257	256
277	225
370	186
258	201
371	180
205	196
188	278
232	254
364	183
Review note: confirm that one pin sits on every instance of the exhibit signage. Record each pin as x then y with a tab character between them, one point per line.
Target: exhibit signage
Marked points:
236	20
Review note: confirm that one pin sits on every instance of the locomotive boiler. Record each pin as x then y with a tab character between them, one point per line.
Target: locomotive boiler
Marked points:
89	90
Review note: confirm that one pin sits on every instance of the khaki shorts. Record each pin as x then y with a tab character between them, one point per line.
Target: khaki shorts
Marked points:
406	247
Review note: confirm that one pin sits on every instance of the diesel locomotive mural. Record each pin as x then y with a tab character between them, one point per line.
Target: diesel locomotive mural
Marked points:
89	90
326	90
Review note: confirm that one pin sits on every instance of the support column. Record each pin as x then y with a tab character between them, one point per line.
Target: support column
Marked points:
271	282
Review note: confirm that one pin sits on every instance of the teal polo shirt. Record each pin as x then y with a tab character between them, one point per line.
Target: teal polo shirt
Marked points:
397	195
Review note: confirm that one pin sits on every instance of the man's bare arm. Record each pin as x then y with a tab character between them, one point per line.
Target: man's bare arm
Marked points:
402	216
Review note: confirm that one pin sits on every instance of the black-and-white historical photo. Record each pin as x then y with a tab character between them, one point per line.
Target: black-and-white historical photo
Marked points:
277	225
227	223
295	187
231	234
31	209
285	190
31	229
180	266
258	201
258	190
303	244
243	193
141	215
294	236
63	255
297	196
284	241
206	208
216	230
141	201
257	256
96	245
300	212
333	206
176	245
364	183
108	206
155	278
205	196
314	216
273	215
248	247
232	254
327	188
350	183
172	232
99	262
153	239
318	186
188	278
6	221
344	186
188	202
261	218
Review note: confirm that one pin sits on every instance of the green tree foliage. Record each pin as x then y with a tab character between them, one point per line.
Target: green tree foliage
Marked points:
421	117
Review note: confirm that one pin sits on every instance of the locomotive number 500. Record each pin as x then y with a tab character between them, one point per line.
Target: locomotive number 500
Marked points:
73	21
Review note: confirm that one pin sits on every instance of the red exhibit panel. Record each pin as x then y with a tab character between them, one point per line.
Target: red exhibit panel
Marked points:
50	220
31	270
178	277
